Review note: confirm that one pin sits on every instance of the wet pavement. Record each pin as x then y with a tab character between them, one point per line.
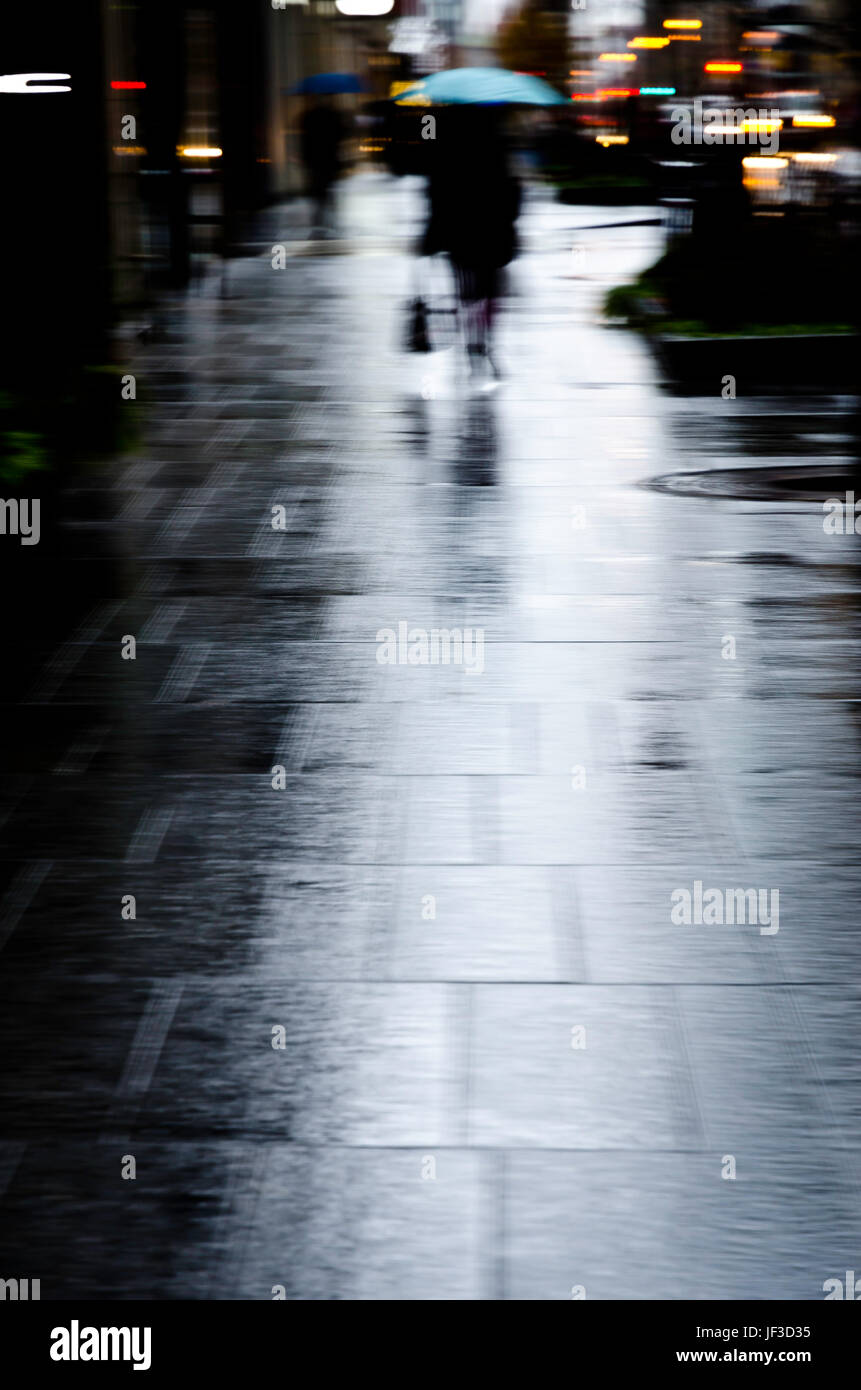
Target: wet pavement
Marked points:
505	1071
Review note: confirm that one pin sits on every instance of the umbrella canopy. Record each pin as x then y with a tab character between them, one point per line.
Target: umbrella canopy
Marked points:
480	87
327	84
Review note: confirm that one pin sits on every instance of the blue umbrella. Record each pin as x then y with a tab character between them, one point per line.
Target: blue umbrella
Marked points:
328	84
480	87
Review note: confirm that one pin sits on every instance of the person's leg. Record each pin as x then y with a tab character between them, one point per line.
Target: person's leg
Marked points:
470	312
490	304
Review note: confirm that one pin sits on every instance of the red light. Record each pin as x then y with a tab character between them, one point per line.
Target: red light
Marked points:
128	86
617	91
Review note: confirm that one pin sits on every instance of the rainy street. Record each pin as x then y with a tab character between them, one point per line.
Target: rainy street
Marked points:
341	964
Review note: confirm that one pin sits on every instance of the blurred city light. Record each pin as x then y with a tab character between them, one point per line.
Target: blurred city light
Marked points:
683	24
19	82
617	57
723	67
647	43
128	86
364	7
200	151
657	91
816	122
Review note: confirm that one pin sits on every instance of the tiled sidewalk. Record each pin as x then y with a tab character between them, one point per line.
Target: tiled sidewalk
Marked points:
506	1072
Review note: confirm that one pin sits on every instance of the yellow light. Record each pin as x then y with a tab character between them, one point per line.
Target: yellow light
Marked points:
617	57
761	127
606	140
647	43
723	67
813	158
764	161
683	24
681	38
757	182
818	122
200	151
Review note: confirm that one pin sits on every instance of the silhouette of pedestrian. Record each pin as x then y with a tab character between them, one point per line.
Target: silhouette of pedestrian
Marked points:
474	204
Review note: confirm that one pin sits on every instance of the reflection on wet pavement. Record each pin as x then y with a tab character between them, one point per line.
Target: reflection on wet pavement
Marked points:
402	1011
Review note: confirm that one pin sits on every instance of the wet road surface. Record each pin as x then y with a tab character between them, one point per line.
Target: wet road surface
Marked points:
403	1012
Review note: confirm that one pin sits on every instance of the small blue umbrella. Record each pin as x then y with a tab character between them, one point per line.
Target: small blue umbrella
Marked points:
328	84
480	87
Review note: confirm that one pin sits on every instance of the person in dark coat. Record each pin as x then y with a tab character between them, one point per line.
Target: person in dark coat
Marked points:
474	204
321	135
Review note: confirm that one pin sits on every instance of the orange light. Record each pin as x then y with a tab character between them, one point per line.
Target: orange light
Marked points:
200	151
814	122
764	161
761	127
761	36
681	38
606	140
617	91
683	24
647	43
723	67
580	72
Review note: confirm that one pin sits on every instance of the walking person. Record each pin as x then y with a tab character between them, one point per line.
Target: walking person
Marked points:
474	203
322	133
